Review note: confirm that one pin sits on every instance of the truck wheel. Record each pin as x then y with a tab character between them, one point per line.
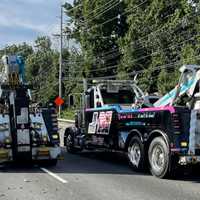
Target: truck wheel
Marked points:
158	154
136	154
70	143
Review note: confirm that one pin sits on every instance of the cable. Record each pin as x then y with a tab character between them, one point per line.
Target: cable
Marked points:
150	55
73	8
138	72
111	2
155	53
103	12
169	65
152	31
141	71
160	29
110	20
140	38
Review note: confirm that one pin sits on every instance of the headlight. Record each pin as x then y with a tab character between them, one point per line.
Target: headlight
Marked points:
55	137
45	138
184	144
8	140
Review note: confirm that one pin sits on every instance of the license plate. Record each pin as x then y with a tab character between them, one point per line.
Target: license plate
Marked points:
43	151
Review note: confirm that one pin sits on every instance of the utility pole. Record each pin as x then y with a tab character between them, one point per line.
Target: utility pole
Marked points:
61	56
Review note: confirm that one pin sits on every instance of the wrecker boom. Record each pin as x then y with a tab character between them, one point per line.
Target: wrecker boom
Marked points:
190	76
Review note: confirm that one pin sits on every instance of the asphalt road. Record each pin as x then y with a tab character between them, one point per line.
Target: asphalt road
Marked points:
92	176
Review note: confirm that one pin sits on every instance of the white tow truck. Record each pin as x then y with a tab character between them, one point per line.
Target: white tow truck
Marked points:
26	133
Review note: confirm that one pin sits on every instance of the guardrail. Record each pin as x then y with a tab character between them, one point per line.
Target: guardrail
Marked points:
66	120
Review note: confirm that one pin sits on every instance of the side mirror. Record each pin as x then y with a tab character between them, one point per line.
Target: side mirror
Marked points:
71	100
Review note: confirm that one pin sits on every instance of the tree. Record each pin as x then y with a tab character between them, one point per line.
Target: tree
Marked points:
23	50
42	70
159	35
97	33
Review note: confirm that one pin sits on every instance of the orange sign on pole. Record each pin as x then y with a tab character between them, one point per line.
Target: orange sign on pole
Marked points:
59	101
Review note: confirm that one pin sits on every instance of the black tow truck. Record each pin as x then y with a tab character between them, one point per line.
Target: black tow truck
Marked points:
158	133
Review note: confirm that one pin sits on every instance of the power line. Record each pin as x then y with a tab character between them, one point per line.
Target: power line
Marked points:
112	2
103	12
140	71
125	12
154	53
151	34
149	55
75	7
105	6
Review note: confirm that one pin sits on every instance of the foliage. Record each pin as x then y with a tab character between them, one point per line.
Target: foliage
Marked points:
42	70
21	49
121	39
152	37
68	114
96	38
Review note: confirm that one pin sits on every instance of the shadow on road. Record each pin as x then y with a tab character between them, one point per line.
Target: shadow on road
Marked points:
97	163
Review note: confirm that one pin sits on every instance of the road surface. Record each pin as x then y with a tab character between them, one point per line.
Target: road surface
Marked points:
96	176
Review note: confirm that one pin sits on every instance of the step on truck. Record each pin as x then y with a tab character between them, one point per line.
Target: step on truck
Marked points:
28	133
158	133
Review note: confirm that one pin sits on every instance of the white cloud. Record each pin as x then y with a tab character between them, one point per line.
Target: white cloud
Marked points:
33	17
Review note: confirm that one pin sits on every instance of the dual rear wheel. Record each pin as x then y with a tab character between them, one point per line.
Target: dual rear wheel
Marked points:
158	156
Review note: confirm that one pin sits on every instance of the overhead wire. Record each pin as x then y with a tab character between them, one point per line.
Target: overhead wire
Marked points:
158	30
149	55
103	12
102	9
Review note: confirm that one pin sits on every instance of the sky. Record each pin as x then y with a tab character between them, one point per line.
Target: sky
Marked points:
24	20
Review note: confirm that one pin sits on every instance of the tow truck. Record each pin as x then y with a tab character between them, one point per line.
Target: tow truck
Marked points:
27	133
159	134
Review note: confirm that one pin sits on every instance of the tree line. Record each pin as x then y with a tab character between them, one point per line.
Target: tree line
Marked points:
125	38
116	39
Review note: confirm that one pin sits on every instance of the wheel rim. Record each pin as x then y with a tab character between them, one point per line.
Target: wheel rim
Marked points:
69	141
134	154
158	158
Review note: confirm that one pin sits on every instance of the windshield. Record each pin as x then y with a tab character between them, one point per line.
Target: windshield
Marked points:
122	97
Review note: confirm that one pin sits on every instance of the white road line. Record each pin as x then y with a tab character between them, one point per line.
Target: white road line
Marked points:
54	175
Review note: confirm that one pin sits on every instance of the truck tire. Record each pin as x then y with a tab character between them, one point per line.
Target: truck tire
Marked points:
158	155
136	154
70	143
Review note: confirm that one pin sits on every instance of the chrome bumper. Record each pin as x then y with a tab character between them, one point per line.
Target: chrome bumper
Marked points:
44	153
